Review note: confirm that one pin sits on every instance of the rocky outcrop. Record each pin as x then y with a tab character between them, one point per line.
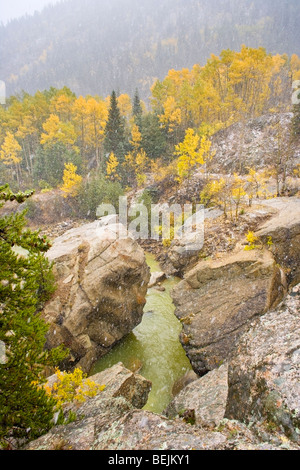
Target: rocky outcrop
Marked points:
110	422
252	143
264	372
259	386
114	425
185	248
218	298
121	382
206	397
101	287
123	391
284	228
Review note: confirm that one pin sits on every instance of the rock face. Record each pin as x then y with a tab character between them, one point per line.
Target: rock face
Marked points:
109	421
217	299
252	144
112	420
264	372
207	397
102	283
123	391
260	385
284	228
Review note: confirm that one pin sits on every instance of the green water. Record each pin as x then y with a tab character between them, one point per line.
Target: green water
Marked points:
155	343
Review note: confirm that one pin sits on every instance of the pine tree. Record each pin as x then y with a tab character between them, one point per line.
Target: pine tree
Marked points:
114	132
137	109
26	410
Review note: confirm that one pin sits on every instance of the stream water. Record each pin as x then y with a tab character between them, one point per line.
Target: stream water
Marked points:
154	344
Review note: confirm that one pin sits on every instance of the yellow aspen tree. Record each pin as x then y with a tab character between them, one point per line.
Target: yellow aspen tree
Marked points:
10	153
26	133
129	167
192	152
71	180
256	186
111	168
237	193
61	105
295	67
218	192
79	118
141	162
172	114
136	137
125	106
136	161
188	154
58	131
97	114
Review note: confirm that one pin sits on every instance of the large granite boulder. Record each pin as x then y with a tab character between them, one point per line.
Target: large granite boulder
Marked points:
284	228
217	299
101	287
121	382
264	372
206	397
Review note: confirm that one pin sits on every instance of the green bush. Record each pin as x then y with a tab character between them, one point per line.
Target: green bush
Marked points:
97	190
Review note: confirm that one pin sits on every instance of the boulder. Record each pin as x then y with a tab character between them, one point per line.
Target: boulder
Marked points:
156	278
114	425
188	241
123	391
102	279
182	382
218	298
284	228
121	382
108	421
142	430
264	372
207	397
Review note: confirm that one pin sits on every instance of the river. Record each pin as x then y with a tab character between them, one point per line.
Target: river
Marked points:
155	344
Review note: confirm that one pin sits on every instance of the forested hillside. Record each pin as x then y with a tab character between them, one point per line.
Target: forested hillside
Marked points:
94	148
95	46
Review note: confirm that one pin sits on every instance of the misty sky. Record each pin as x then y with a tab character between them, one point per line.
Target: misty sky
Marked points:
11	9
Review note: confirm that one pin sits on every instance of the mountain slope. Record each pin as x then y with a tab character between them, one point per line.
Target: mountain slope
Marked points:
93	46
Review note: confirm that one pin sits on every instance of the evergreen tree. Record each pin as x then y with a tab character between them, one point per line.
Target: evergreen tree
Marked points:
137	109
154	137
50	163
114	141
26	411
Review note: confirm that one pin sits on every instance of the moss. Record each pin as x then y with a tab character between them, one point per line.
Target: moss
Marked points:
188	416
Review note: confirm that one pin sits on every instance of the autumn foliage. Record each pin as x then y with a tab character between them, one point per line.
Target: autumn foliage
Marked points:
41	136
